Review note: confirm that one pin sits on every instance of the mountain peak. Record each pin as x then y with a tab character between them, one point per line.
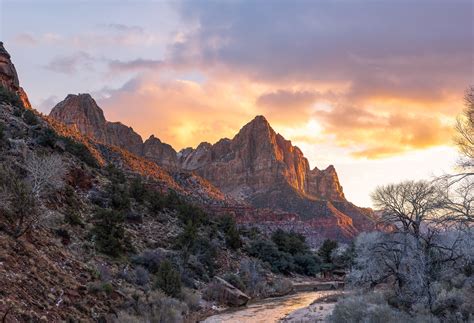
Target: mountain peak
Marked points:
82	110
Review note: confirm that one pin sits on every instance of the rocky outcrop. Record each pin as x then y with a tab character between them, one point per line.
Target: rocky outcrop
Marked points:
159	152
9	77
225	293
82	113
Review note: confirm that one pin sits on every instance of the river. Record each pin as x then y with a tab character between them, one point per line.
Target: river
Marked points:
273	309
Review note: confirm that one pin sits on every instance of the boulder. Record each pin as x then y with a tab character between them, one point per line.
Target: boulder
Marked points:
225	293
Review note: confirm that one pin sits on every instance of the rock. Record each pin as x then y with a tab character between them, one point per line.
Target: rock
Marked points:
225	293
82	113
159	152
9	76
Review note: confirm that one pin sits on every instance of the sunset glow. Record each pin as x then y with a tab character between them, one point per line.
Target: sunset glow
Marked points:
376	95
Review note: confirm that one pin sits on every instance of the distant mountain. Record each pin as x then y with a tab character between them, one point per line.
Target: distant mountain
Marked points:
82	112
258	167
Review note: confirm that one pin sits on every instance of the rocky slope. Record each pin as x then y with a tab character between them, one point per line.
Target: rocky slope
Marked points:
9	77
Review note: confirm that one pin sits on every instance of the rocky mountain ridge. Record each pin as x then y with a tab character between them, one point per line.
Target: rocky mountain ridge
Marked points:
82	113
258	167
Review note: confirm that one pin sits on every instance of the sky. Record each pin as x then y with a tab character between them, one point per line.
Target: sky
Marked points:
372	87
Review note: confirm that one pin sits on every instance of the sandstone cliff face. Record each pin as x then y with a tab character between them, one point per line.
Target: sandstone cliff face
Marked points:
82	113
257	160
9	77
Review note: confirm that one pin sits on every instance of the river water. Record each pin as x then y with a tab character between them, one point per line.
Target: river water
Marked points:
269	310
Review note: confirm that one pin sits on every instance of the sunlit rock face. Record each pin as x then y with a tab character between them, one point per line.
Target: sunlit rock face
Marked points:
9	77
258	160
82	112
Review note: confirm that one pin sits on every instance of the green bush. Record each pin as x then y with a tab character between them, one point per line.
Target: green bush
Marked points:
326	249
168	279
155	202
10	97
290	242
137	189
19	209
190	213
30	118
47	138
307	264
267	251
232	236
118	190
186	239
173	200
80	151
109	233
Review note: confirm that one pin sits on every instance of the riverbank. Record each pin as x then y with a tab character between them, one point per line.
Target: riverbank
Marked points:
318	311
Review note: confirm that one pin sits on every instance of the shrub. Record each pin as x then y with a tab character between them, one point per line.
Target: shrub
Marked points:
79	178
149	259
267	251
306	264
99	287
190	213
191	298
168	279
232	236
326	249
117	190
186	239
80	151
10	97
47	138
367	308
138	276
137	189
155	202
290	242
173	201
17	203
109	233
153	307
30	118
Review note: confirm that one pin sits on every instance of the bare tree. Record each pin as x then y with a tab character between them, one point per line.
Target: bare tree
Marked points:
465	132
423	240
44	172
408	205
18	211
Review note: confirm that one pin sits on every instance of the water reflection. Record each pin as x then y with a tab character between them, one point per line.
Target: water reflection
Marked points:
268	311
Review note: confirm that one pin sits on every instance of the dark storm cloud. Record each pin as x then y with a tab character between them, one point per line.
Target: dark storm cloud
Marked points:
364	42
